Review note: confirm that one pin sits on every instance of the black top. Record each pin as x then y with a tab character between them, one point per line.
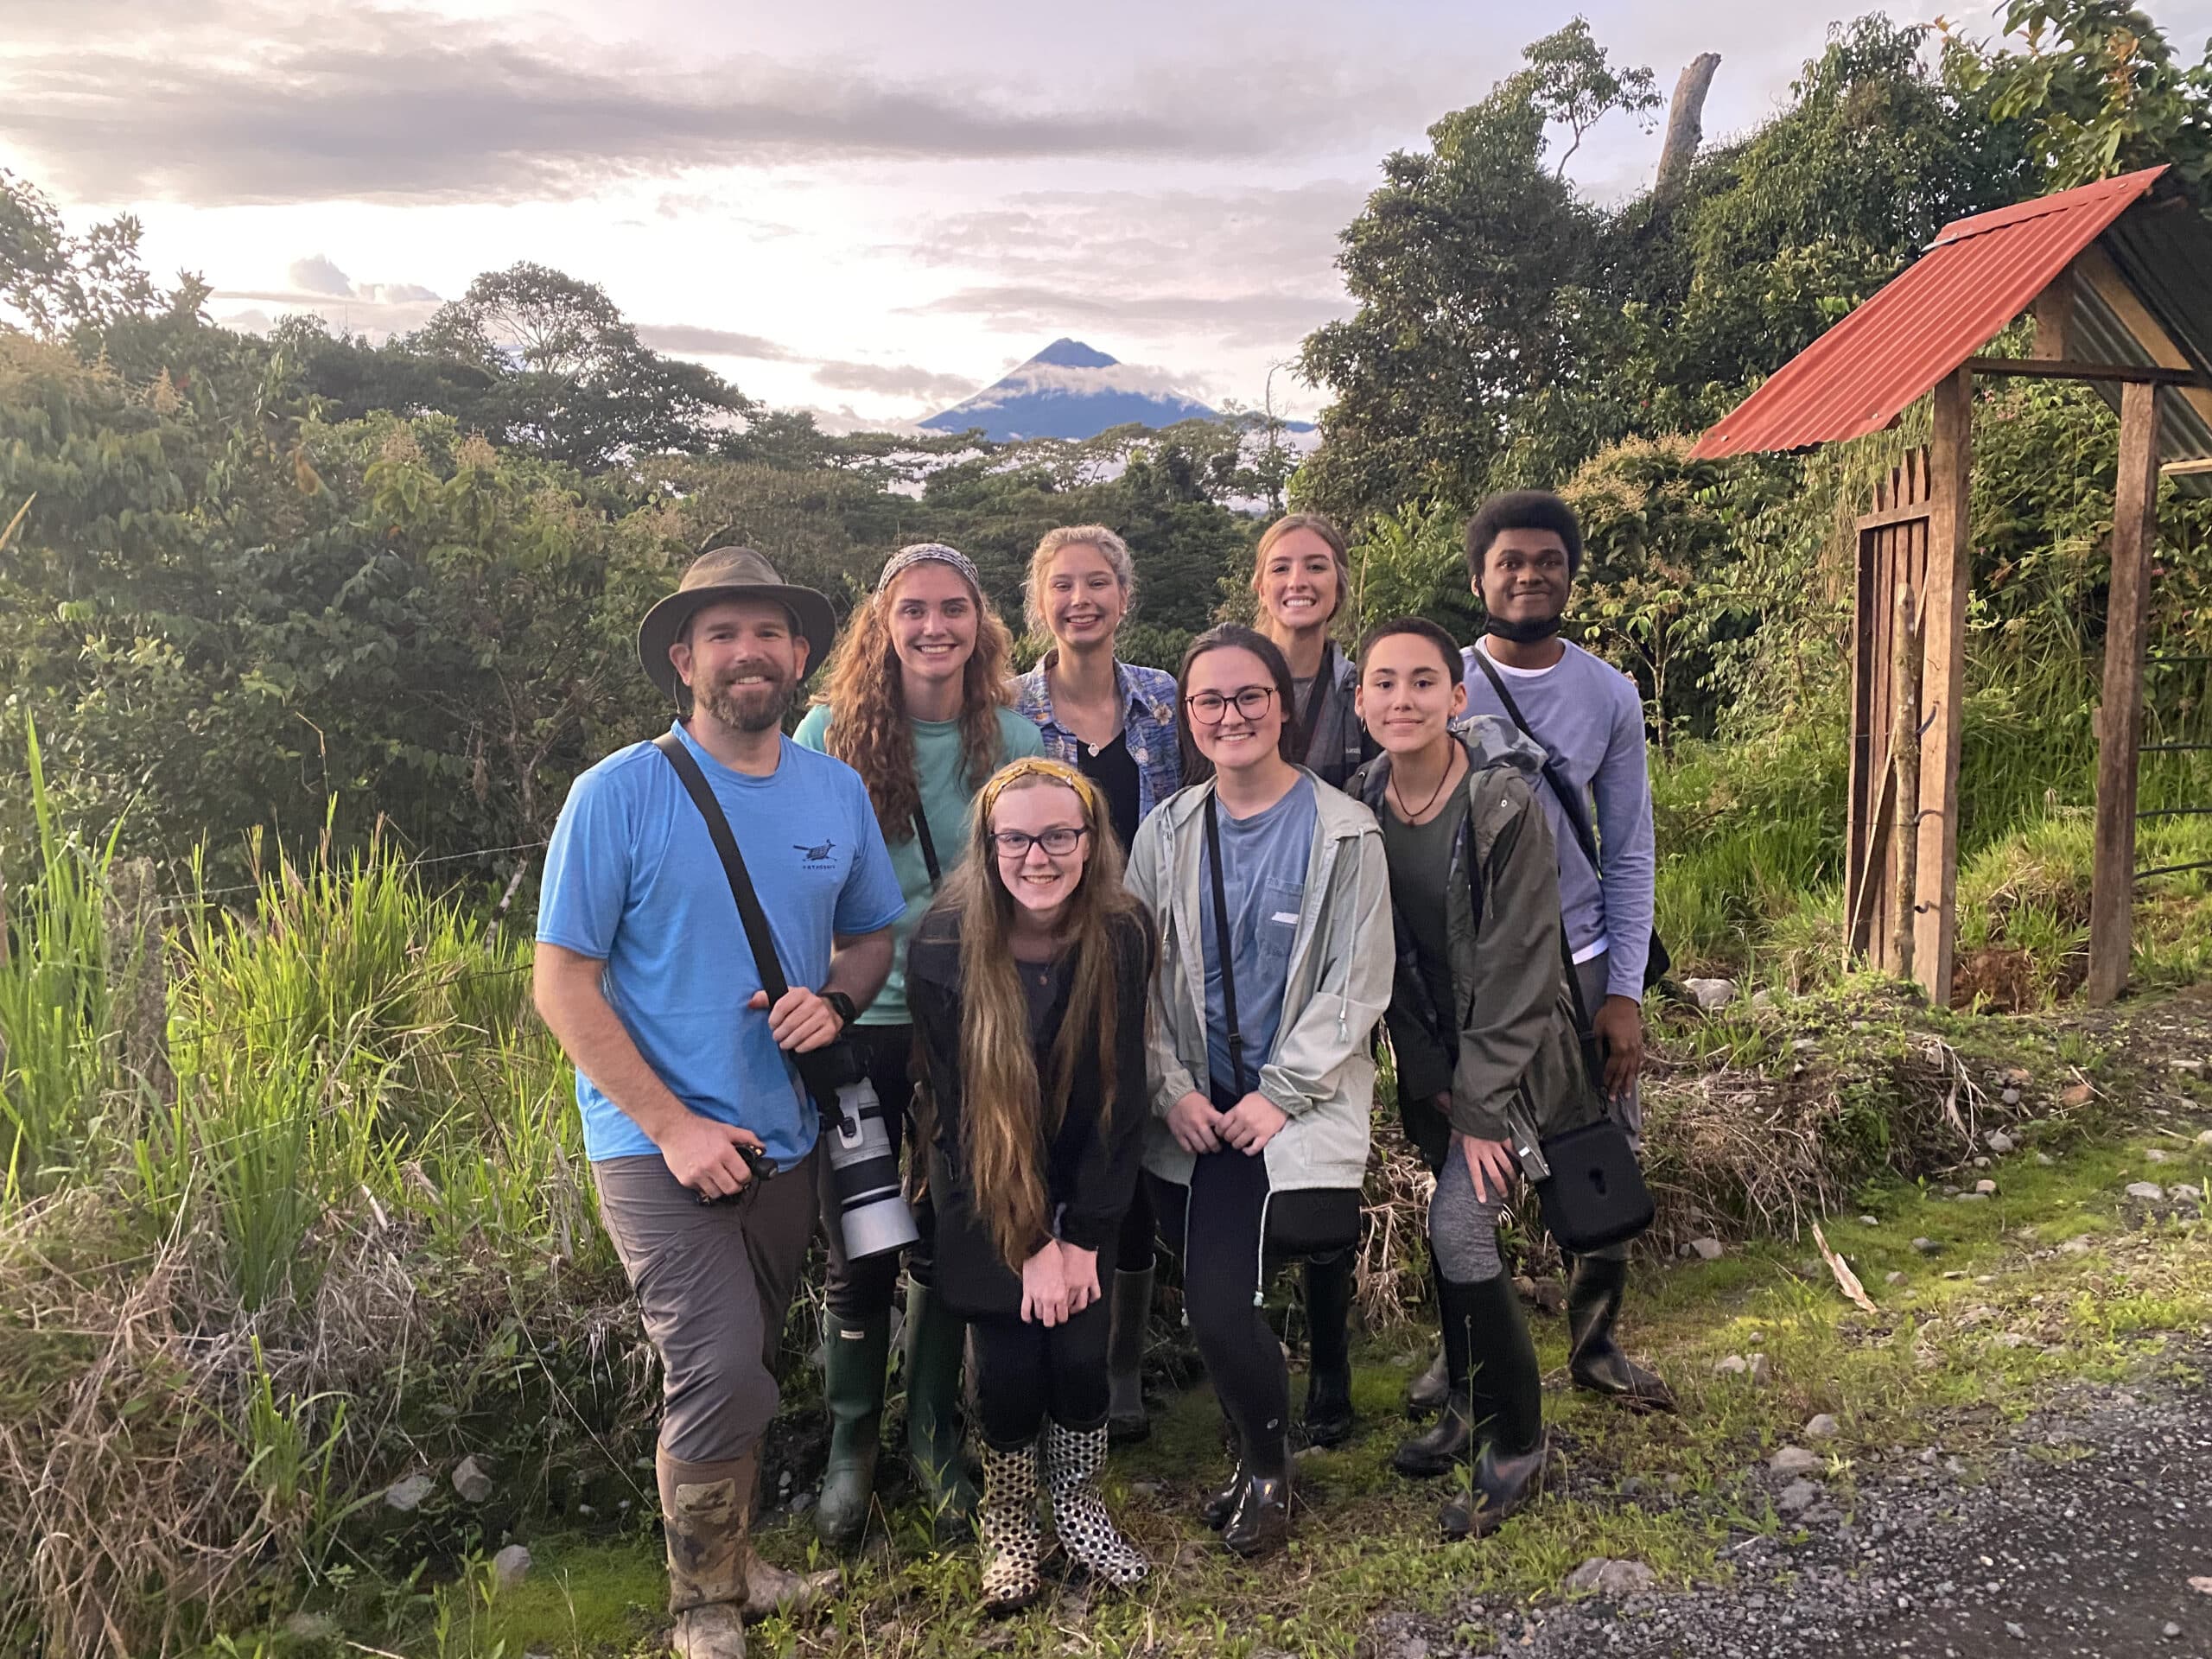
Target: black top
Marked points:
1089	1176
1113	769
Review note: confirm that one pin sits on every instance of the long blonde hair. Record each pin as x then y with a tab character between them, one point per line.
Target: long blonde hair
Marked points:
1009	1117
867	726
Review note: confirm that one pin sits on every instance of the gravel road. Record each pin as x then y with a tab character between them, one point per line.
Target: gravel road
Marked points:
2077	1539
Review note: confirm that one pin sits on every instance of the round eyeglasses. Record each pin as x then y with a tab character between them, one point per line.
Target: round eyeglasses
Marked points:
1059	841
1210	708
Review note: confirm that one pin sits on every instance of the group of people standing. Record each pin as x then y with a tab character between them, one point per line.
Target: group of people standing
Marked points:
1114	948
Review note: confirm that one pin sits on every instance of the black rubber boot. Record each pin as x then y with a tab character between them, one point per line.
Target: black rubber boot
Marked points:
1129	1317
1260	1525
935	1342
1427	1392
852	1391
1217	1508
1450	1441
1506	1395
1595	1361
1329	1281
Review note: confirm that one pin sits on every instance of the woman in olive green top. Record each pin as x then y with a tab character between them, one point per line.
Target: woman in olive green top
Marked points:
916	702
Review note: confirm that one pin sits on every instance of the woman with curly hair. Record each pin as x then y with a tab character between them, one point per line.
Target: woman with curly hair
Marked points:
915	701
1028	982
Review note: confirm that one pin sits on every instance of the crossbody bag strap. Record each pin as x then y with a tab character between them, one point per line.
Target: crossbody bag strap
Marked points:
766	963
1577	818
1222	948
1325	684
929	847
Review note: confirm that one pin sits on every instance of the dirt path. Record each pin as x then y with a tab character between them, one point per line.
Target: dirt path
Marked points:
2077	1541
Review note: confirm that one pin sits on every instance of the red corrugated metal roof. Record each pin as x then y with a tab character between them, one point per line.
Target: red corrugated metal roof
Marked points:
1980	273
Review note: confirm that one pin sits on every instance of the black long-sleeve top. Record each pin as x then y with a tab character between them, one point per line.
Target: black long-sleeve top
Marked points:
1089	1174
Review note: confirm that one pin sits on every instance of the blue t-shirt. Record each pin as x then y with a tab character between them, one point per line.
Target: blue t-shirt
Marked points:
632	879
1263	861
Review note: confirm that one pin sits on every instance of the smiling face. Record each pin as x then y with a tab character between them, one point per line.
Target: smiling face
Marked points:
1297	585
1525	577
742	660
1083	600
933	624
1409	696
1040	881
1235	684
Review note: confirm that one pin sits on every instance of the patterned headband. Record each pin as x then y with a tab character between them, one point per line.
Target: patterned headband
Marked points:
1038	766
907	557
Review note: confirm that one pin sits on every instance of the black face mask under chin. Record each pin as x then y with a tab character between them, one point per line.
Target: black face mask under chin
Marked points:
1522	634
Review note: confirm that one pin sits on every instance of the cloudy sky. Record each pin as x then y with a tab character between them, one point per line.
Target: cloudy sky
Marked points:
865	208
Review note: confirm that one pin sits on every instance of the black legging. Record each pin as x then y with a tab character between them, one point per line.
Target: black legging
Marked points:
857	1289
1025	1373
1214	1225
1138	1246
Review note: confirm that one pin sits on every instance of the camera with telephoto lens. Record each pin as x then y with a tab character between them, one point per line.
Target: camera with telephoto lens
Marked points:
863	1169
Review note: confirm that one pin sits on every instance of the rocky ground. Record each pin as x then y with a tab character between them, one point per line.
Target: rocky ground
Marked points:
2086	1536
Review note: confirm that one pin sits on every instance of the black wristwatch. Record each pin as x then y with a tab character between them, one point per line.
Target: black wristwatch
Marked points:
843	1004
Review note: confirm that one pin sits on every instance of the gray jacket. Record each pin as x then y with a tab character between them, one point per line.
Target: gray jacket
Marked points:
1511	1036
1337	984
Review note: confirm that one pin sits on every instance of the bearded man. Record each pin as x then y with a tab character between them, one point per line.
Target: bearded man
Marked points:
701	1136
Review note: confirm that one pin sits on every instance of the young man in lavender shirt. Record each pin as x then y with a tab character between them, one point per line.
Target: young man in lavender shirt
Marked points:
1524	548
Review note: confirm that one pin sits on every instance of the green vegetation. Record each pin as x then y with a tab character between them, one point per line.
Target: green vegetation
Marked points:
304	638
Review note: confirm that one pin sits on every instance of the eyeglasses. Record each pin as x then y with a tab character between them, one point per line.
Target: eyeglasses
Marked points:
1210	707
1059	841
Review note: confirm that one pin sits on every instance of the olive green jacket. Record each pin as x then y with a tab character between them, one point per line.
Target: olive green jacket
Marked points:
1512	1034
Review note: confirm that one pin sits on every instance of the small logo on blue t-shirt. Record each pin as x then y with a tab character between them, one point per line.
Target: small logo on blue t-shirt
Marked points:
817	856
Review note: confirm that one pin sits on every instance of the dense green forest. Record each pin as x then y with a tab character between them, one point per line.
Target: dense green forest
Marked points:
291	1199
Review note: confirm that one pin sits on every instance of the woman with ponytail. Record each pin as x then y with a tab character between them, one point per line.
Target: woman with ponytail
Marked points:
1028	982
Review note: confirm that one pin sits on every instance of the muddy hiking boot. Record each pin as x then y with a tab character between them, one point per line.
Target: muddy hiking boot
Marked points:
716	1579
1328	1418
854	1356
1595	1362
936	1342
1129	1328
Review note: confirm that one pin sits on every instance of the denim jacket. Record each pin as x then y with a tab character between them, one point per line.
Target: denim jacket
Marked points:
1149	701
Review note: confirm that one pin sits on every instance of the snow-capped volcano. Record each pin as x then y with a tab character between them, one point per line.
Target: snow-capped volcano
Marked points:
1070	391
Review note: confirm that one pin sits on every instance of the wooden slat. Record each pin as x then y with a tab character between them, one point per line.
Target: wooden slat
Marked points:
2053	313
2120	736
1943	608
2037	369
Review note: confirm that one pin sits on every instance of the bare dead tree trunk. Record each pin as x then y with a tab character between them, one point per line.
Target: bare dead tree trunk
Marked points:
1685	129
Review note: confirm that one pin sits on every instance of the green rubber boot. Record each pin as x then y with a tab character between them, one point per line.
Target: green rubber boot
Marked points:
935	1339
852	1391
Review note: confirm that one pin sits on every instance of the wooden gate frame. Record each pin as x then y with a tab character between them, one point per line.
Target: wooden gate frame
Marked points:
1918	529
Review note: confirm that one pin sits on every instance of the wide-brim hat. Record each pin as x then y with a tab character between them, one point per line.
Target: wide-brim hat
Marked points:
730	573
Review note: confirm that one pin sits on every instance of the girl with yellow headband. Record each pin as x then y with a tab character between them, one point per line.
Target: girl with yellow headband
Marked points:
1028	982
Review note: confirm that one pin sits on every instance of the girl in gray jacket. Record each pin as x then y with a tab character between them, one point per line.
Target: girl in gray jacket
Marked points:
1271	902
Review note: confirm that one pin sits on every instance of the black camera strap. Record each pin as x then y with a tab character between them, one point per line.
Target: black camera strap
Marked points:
1222	948
766	964
929	847
1325	685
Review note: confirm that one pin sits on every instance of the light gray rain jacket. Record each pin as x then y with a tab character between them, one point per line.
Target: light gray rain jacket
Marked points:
1320	1072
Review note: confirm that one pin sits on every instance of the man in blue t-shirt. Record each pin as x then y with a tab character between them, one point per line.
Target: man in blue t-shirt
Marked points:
683	1075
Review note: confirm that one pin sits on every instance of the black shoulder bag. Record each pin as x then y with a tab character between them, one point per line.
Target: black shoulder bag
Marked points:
1657	960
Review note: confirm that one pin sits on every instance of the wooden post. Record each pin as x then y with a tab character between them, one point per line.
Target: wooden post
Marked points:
1942	683
2119	731
2054	316
1905	766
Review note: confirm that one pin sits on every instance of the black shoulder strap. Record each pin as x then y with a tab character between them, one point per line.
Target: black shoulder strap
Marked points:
1325	684
929	846
1222	946
1578	818
764	961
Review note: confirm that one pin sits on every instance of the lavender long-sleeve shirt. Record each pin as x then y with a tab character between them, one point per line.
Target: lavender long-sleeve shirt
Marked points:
1589	715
